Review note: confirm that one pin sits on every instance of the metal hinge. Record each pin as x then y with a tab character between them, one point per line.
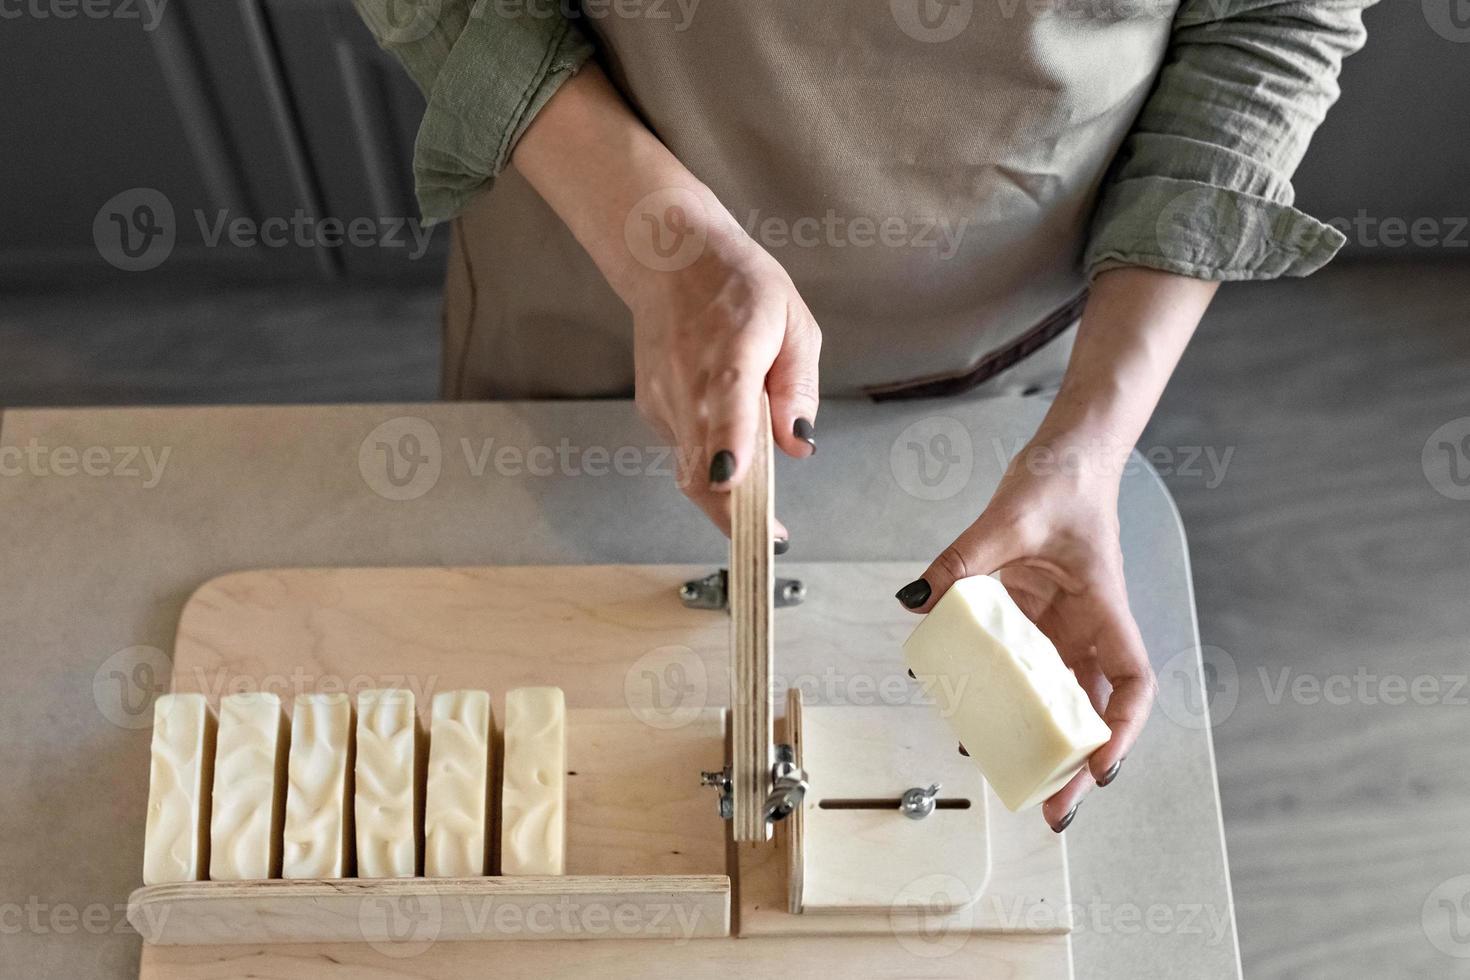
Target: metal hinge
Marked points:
788	787
713	592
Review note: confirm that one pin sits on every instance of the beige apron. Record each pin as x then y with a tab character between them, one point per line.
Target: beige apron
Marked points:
924	170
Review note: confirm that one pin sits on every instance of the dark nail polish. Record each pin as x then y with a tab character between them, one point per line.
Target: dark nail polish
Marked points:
964	751
782	546
722	467
1111	774
806	432
915	594
913	676
1066	821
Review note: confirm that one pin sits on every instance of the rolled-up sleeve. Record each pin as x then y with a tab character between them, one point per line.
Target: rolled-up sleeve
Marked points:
485	70
1202	184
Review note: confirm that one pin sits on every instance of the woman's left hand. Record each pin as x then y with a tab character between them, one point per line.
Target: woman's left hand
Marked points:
1052	533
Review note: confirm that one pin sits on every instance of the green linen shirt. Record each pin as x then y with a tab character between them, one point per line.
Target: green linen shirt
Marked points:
1200	187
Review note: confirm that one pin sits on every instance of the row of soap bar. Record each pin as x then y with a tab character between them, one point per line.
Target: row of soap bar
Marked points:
248	797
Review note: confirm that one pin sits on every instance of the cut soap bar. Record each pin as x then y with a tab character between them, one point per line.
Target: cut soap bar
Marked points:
457	806
317	840
176	842
387	784
249	789
533	808
1017	709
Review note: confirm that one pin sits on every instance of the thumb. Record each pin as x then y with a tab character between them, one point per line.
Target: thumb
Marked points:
982	549
793	386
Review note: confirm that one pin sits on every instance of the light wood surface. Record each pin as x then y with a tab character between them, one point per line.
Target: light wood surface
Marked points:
386	911
620	631
751	583
858	852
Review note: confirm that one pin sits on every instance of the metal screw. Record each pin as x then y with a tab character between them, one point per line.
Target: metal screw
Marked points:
918	803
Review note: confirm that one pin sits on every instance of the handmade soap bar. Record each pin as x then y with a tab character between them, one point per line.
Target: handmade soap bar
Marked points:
176	842
533	807
387	784
457	808
249	789
316	842
1017	709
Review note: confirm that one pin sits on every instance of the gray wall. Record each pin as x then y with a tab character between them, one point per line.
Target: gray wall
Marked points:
95	106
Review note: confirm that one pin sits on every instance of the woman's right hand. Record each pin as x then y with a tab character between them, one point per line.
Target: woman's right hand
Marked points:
709	338
716	319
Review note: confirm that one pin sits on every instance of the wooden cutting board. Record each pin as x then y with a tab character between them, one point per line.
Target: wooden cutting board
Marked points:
614	637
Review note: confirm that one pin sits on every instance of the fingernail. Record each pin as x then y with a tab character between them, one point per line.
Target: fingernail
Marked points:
1066	821
964	751
1111	774
722	467
782	546
913	676
915	594
806	432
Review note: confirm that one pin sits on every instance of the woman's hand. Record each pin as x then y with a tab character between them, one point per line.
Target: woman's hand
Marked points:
1052	533
716	319
1052	526
709	338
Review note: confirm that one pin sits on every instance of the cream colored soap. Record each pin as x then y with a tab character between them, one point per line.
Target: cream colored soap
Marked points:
1016	708
317	840
387	784
533	805
249	789
176	841
457	806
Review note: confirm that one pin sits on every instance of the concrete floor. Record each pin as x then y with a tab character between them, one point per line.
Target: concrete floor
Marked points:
1331	554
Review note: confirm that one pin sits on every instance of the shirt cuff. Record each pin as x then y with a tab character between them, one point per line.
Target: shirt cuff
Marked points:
498	75
1205	232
